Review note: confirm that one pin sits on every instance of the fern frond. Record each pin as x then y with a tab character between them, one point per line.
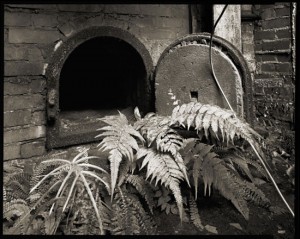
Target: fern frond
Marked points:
199	153
156	129
143	188
252	194
194	214
214	117
129	217
120	140
165	169
19	185
226	183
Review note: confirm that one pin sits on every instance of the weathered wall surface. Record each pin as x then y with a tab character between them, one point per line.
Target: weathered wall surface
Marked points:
31	33
274	88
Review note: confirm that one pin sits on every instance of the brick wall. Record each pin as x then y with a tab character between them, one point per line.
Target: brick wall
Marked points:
274	88
30	35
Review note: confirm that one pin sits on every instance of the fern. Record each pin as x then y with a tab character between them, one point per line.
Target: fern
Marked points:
163	168
205	116
143	188
18	186
120	140
198	152
194	214
129	217
156	129
16	208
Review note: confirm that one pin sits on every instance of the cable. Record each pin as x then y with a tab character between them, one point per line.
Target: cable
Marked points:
254	149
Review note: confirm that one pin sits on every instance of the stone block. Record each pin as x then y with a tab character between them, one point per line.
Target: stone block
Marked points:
12	52
43	20
32	36
11	151
32	149
17	118
81	7
17	19
17	68
21	134
24	102
38	118
33	6
18	88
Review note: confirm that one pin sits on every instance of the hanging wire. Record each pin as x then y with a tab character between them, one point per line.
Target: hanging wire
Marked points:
219	86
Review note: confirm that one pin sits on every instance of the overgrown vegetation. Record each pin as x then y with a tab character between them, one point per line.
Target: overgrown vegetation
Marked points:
153	163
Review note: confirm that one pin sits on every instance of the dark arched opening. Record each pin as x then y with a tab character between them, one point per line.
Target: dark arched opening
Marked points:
103	73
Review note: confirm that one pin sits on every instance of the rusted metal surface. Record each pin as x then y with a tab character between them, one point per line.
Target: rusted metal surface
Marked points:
183	75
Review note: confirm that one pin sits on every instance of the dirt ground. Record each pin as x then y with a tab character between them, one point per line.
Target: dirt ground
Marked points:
218	212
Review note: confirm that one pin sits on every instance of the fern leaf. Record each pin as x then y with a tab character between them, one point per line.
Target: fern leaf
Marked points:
217	118
115	158
120	140
199	153
225	182
194	214
164	168
19	185
143	188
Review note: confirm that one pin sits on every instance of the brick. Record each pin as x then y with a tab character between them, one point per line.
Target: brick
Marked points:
20	87
17	19
285	33
22	52
264	35
280	12
18	135
276	23
32	36
12	52
284	58
33	6
66	29
32	149
16	68
266	6
164	22
17	118
283	67
38	118
268	13
12	151
43	20
271	58
81	7
267	67
276	45
23	102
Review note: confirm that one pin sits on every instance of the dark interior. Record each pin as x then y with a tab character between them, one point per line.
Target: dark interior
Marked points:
101	73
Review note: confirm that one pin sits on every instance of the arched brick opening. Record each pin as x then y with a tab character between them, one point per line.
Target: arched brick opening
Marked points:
94	73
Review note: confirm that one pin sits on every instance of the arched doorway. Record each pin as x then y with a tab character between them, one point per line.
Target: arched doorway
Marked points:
95	73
